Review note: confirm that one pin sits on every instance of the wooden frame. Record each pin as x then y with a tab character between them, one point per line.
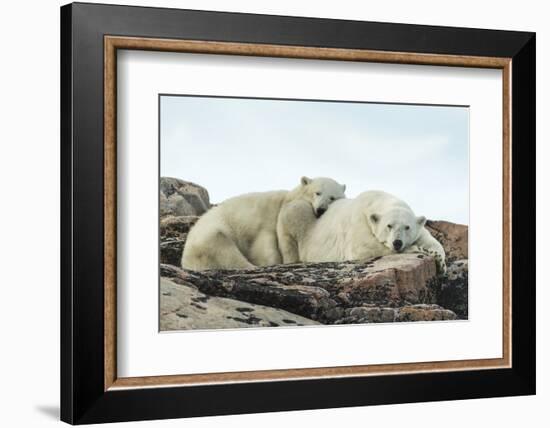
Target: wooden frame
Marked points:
112	43
513	53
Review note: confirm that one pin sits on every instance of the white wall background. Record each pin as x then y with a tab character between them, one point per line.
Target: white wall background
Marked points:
29	230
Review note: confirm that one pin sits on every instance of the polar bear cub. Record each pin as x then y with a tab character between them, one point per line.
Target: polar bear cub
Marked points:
373	224
241	232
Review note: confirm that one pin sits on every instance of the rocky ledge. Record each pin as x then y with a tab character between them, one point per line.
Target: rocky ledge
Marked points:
393	288
183	307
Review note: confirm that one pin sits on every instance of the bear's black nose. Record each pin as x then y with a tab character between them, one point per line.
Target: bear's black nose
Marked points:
320	211
397	244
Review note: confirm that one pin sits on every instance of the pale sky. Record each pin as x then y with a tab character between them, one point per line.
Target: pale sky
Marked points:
233	146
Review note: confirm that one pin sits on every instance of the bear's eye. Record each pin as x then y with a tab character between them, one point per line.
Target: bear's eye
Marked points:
407	227
389	226
318	193
332	198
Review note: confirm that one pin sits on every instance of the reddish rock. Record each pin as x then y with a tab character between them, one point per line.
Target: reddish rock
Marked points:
391	280
453	237
424	313
408	313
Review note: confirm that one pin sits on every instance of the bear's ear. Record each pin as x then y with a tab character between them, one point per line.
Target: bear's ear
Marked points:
421	221
305	180
343	188
374	218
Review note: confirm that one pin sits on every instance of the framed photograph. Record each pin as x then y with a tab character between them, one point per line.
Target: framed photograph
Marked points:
266	213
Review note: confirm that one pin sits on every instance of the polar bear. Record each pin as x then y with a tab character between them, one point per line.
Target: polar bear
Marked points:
373	224
294	223
241	232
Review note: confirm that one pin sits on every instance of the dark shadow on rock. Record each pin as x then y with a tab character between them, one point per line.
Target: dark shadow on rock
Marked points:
453	291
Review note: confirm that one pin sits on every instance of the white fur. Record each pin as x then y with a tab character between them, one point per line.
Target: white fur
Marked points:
357	229
241	233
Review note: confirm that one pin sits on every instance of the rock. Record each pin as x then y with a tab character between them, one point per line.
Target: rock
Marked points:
173	233
453	237
368	314
390	281
182	198
171	251
395	288
453	293
175	226
323	291
373	314
424	313
308	301
184	308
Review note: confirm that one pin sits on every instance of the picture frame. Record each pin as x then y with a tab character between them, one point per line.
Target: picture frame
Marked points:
91	390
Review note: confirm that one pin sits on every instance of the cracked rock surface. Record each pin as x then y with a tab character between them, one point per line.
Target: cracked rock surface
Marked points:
184	308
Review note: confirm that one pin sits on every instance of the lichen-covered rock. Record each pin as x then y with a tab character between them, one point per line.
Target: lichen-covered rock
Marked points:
324	291
184	308
453	292
453	237
376	314
308	301
175	226
182	198
368	314
423	313
171	250
390	280
173	233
